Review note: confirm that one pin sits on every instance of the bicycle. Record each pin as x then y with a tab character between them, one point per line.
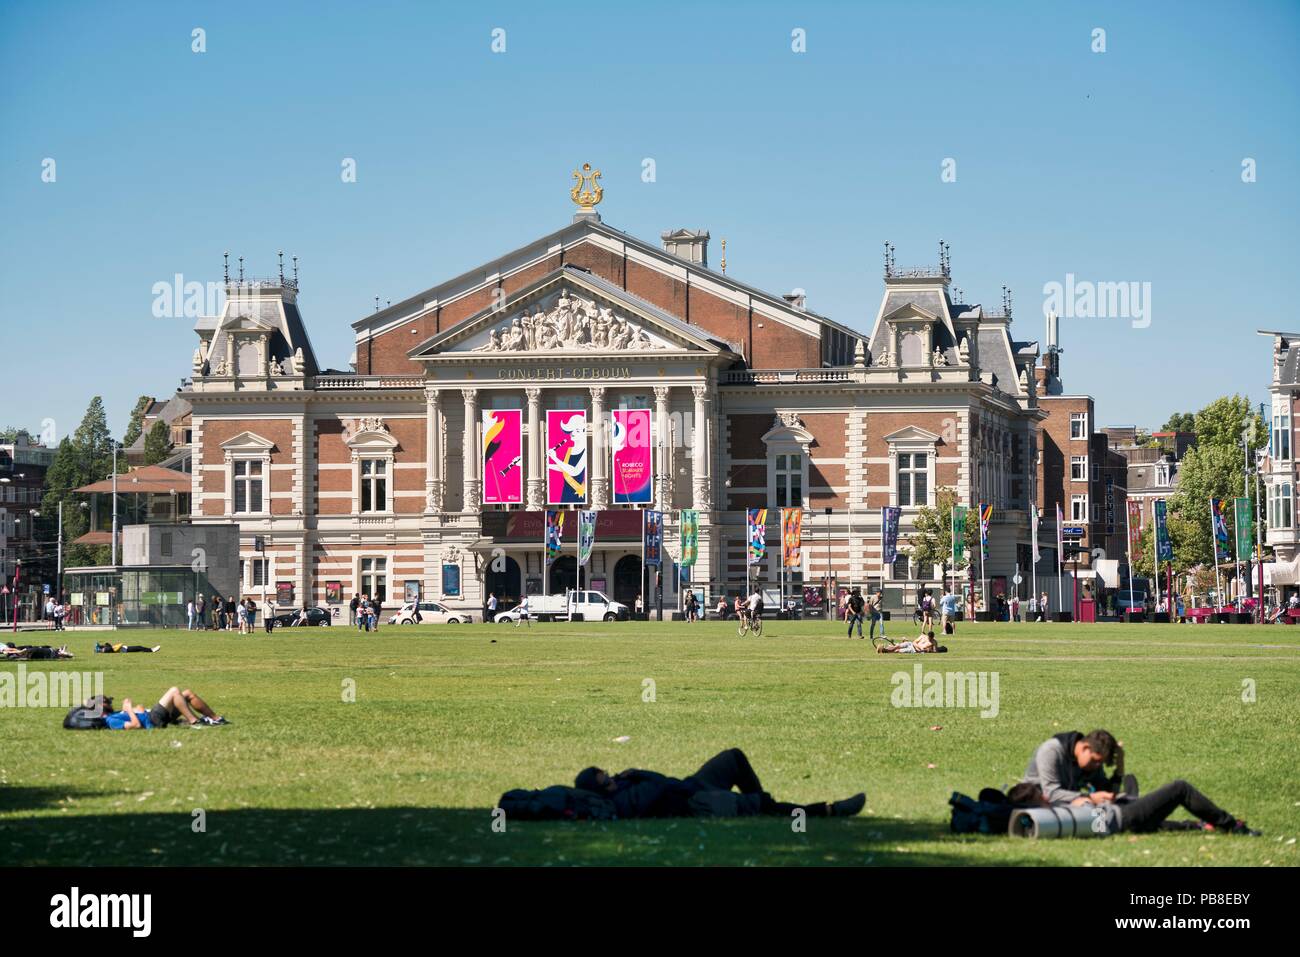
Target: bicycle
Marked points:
748	625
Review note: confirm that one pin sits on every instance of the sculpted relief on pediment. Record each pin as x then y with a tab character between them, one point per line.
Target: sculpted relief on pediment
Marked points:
572	324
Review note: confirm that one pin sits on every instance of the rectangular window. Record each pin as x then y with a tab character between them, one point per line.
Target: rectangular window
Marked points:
1078	508
1078	468
1096	513
1078	425
902	568
1281	436
259	566
374	578
374	485
913	486
1279	512
248	486
789	481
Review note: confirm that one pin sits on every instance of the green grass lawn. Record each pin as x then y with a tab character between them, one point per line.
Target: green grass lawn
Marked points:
447	718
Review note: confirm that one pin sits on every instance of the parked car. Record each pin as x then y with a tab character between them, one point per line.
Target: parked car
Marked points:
431	613
1127	599
591	605
315	617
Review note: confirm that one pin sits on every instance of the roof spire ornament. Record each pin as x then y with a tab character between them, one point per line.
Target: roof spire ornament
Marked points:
723	264
280	253
587	191
225	258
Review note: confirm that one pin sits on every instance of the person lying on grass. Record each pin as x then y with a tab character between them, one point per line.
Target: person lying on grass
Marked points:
706	793
922	644
33	652
174	707
111	648
1066	769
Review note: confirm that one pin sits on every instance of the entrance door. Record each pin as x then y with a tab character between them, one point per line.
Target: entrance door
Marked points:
563	575
506	583
627	580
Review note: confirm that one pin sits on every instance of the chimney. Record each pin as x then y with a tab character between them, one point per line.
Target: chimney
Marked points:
689	244
797	298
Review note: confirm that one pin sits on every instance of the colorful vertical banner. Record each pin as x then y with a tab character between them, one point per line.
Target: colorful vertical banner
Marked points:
1134	525
889	516
1164	547
586	535
503	457
1219	526
986	516
1033	534
566	457
792	537
959	532
1245	529
756	534
554	534
633	470
690	532
653	540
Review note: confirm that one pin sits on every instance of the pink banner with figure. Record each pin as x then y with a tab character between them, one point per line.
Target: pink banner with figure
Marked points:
633	468
566	457
503	457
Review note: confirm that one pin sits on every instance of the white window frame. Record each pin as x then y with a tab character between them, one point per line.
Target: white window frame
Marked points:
1281	433
912	440
1281	500
1082	462
357	573
363	479
778	478
248	447
1079	504
1079	418
374	444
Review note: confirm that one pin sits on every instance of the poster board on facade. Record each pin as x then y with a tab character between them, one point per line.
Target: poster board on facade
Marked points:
450	580
333	592
566	457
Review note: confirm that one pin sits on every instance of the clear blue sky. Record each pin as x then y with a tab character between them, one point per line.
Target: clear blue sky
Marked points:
1120	166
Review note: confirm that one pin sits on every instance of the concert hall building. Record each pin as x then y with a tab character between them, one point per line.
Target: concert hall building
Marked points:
373	480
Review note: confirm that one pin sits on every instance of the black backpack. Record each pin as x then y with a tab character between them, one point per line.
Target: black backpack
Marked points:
991	814
556	803
85	718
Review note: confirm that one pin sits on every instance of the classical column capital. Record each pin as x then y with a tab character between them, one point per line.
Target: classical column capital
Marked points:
533	394
661	393
431	394
470	396
701	392
598	394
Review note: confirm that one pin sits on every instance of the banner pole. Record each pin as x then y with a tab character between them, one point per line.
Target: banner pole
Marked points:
1060	548
1155	550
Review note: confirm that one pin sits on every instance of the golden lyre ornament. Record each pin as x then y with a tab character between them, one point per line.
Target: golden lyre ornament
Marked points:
587	192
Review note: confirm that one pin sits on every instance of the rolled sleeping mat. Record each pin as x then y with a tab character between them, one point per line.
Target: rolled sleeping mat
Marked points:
1084	820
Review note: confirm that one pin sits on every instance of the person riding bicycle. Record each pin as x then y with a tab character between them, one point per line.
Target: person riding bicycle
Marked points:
754	604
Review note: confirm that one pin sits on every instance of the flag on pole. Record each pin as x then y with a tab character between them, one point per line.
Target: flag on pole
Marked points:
958	533
690	526
1245	529
1033	533
554	534
1219	525
1134	526
756	534
586	535
792	537
986	516
1164	547
1060	532
889	516
654	537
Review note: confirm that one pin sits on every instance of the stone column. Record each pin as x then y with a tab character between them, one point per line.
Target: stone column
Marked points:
661	449
596	452
536	496
433	481
702	496
469	464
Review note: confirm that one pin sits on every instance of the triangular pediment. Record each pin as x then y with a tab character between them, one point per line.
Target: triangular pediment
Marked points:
910	434
248	442
570	313
911	311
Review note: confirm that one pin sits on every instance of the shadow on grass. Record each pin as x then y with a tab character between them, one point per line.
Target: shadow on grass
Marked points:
461	837
36	799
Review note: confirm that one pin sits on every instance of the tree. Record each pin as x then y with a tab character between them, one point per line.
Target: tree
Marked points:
1180	422
1223	421
930	542
136	425
157	444
83	457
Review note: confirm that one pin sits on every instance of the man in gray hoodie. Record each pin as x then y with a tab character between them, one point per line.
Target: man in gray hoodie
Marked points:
1066	769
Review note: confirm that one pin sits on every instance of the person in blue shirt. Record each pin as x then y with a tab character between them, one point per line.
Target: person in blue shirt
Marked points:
948	610
174	707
